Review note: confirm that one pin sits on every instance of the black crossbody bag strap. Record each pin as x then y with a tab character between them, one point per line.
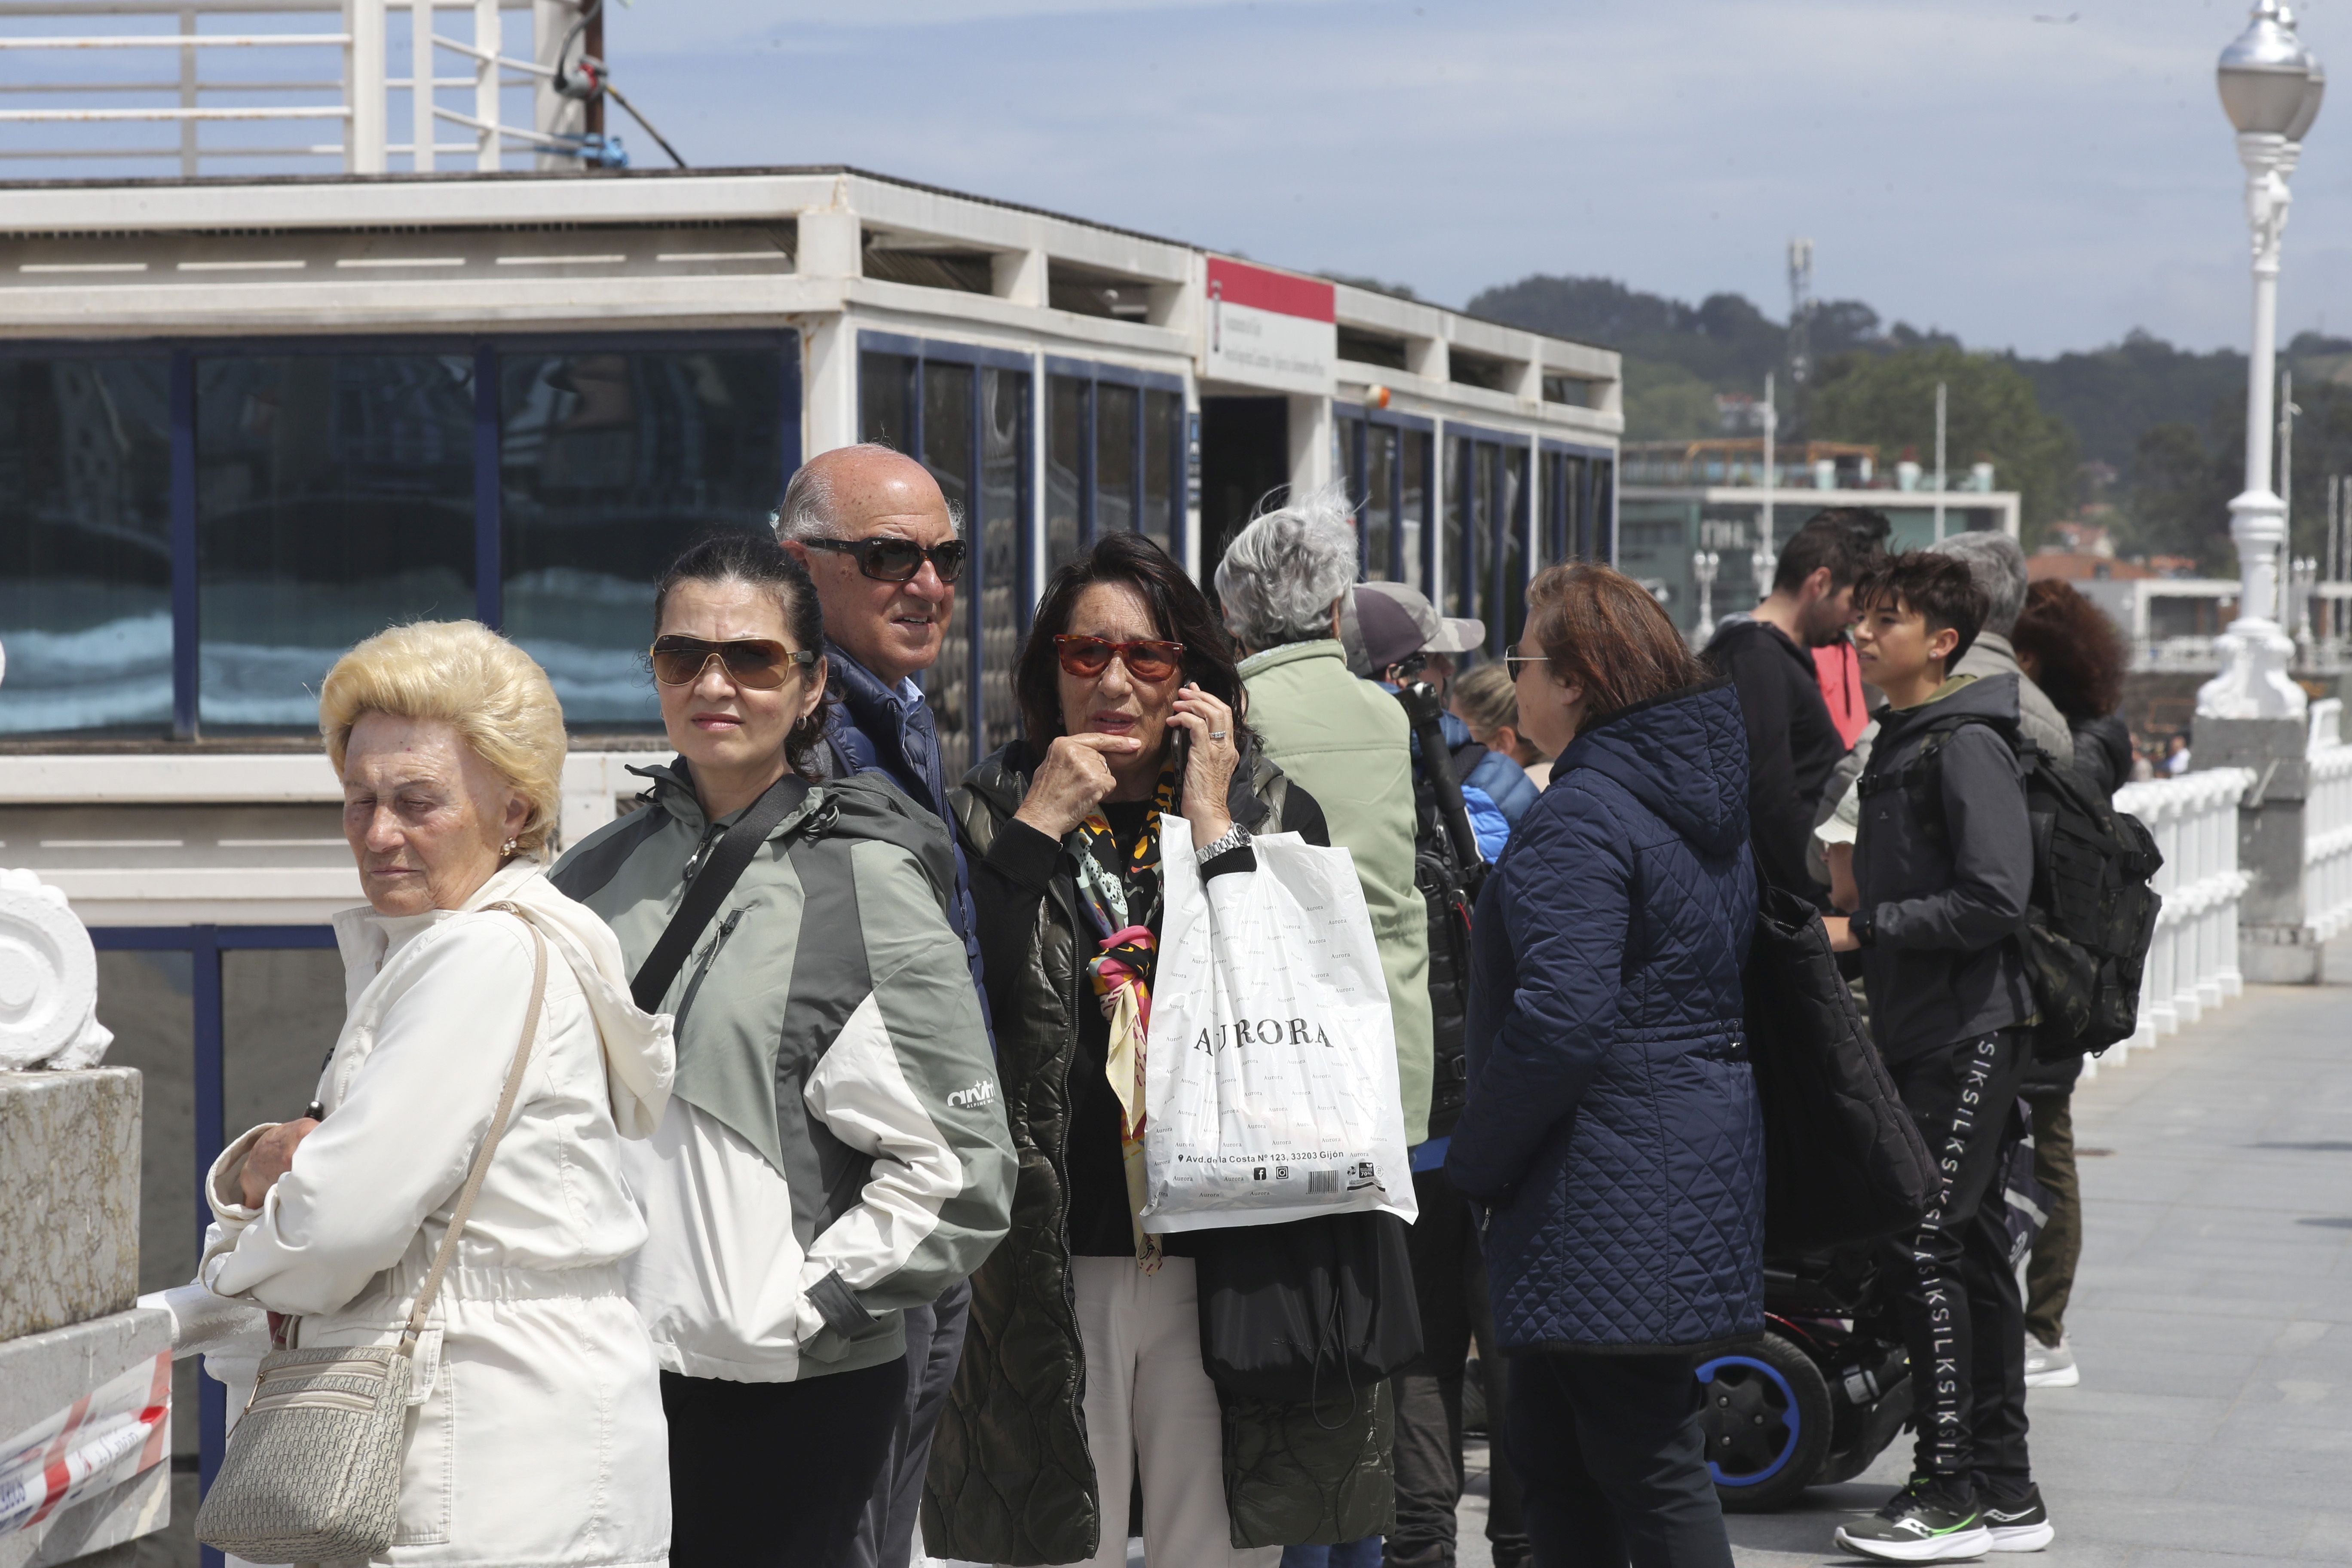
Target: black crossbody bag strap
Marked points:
721	871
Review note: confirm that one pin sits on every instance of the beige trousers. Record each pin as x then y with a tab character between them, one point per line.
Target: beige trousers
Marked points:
1151	1405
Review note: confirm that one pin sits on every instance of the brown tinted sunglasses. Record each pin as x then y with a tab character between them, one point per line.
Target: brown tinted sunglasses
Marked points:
755	663
1090	656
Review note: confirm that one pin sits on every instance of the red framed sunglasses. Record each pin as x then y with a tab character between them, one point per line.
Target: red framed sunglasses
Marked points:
1090	656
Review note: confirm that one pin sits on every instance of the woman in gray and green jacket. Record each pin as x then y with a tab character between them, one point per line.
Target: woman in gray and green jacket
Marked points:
1084	1368
836	1148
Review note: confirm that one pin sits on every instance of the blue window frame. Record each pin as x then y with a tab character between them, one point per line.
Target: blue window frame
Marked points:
963	412
1117	450
1579	521
1385	460
235	513
1483	542
204	977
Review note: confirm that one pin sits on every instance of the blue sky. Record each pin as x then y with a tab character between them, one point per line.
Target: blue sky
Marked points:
2037	183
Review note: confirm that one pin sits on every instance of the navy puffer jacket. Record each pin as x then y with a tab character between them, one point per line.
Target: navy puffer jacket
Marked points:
1612	1125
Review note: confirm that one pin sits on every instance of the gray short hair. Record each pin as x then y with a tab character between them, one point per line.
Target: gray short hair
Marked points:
1281	574
1998	563
808	508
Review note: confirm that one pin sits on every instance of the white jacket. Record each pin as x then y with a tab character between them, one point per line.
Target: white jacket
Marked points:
538	1436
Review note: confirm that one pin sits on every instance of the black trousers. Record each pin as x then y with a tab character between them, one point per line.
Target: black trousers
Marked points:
886	1531
1963	1322
1613	1462
1449	1279
775	1475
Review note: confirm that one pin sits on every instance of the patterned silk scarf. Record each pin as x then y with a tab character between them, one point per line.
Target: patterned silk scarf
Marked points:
1121	974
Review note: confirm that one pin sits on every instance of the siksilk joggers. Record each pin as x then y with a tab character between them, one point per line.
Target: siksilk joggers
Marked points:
1963	1323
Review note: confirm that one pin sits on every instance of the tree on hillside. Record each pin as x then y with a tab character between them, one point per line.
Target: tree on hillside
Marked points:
2115	395
1889	400
1666	403
2179	503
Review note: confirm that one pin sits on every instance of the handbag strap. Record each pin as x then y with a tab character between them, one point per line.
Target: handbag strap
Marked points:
712	882
465	1196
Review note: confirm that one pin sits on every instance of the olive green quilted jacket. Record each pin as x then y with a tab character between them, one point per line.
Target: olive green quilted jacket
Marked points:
1011	1480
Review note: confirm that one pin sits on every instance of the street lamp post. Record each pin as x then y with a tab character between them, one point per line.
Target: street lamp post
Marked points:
1704	565
2271	88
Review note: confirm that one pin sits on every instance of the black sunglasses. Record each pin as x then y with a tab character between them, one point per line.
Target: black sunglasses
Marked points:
889	560
1515	662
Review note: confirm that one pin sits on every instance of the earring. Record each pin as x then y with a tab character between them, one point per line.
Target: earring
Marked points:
507	847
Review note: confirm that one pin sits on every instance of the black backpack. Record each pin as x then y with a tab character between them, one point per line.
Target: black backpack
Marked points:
1449	870
2092	914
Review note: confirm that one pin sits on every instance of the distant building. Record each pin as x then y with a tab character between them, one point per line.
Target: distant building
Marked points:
1682	497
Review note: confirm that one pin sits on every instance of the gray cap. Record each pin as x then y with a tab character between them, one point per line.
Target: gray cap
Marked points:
1396	622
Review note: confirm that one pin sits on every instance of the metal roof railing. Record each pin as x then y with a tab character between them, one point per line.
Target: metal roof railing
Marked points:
73	64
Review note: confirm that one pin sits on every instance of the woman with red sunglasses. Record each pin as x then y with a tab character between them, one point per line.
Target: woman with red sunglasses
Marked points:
1083	1368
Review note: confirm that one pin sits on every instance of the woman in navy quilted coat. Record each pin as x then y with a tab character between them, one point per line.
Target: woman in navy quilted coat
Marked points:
1612	1131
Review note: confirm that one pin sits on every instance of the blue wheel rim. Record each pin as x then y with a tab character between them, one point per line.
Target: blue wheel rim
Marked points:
1791	1418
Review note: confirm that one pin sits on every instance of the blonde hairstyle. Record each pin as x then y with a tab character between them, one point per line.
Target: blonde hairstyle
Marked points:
466	674
1487	699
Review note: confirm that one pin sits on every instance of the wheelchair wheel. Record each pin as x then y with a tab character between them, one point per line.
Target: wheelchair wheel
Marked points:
1767	1424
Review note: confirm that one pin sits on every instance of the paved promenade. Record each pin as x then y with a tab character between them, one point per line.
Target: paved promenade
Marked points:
2213	1315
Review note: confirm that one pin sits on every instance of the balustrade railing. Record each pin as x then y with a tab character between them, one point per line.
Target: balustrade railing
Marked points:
469	85
2193	965
2327	826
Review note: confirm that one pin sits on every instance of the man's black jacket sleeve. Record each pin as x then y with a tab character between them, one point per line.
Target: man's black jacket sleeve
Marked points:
1780	819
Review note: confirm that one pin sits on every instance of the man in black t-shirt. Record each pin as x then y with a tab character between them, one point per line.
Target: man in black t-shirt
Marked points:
1793	742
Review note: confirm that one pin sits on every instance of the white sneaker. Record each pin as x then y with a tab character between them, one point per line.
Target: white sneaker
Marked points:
2050	1367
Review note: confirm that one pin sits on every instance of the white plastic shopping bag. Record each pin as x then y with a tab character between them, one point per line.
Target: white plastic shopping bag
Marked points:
1270	1082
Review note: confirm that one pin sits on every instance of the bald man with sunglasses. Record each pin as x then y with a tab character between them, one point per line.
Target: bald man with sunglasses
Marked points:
882	546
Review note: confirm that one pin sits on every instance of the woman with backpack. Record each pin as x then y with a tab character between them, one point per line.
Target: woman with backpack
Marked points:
835	1148
2073	652
1611	1134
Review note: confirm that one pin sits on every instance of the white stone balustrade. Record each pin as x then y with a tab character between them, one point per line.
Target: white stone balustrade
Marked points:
2327	828
2193	964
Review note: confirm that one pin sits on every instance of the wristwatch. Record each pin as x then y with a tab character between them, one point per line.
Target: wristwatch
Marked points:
1860	926
1231	838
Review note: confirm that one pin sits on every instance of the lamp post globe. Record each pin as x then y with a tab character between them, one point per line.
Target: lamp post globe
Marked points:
2265	75
2271	88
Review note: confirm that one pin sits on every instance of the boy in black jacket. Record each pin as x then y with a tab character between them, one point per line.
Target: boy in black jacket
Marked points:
1945	865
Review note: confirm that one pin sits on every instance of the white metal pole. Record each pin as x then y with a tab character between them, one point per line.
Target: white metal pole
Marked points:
2286	413
2255	654
1940	461
188	159
364	76
488	34
422	131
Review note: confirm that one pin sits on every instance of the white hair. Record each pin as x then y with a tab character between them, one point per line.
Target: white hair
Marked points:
1281	574
1998	563
809	507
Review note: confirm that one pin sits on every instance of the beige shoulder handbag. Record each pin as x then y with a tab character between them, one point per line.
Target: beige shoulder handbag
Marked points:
312	1471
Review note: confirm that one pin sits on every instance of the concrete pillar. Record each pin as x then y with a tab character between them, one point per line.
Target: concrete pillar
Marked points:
832	242
829	385
1310	443
1427	357
1019	276
2275	943
69	1330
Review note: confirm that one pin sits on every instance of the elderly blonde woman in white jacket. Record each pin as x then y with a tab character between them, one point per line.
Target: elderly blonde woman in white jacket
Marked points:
537	1433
